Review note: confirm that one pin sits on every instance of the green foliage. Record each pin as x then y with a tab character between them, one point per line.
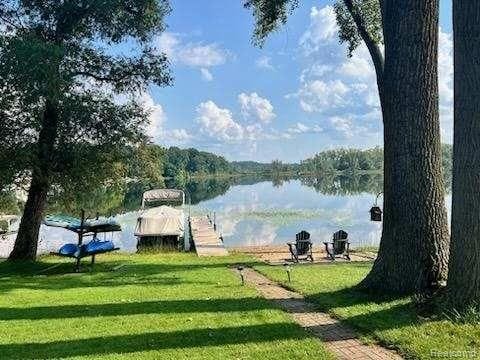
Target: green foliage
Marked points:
269	15
344	160
470	315
202	189
345	184
8	203
368	12
447	157
147	165
60	52
250	167
447	163
180	163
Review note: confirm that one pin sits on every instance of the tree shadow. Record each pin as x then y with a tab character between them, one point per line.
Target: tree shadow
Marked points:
116	273
347	297
391	315
135	308
128	344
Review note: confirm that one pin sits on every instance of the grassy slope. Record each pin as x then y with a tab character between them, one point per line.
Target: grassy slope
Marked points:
173	306
391	321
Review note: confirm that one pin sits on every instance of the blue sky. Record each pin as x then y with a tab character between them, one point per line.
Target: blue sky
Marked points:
298	95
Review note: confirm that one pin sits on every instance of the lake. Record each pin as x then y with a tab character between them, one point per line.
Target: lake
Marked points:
255	211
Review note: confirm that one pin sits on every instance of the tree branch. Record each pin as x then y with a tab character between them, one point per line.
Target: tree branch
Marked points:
105	78
372	45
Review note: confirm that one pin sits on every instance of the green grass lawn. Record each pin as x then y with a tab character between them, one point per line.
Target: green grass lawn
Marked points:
393	322
165	306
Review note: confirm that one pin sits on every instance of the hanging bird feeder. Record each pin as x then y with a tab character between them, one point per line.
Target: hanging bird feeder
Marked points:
375	211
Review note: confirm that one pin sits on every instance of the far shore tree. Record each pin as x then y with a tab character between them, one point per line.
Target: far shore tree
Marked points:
70	74
413	252
464	266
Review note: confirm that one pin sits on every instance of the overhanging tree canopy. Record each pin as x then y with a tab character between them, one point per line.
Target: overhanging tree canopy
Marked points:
66	108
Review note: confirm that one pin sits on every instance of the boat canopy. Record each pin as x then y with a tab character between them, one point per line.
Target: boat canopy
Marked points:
170	196
89	225
160	221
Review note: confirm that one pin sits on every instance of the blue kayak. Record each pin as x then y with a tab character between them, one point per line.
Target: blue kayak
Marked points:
98	247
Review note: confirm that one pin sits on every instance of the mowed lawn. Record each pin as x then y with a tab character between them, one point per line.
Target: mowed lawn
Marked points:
165	306
391	321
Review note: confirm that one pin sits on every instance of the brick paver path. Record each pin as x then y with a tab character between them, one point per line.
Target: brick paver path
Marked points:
339	339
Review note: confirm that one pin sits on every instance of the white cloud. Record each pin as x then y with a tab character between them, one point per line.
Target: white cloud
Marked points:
155	129
333	84
218	123
359	65
179	135
157	117
254	106
196	55
169	43
315	70
206	74
322	29
344	127
319	95
301	128
192	54
264	62
327	62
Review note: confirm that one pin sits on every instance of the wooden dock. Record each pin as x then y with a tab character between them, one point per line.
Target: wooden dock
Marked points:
205	239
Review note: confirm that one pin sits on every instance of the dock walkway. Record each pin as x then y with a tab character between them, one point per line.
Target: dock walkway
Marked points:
206	241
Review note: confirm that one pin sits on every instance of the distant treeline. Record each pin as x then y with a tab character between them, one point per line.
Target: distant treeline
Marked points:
355	160
206	176
155	163
344	160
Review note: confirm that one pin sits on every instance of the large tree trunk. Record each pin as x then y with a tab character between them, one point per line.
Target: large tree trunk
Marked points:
27	238
464	273
413	251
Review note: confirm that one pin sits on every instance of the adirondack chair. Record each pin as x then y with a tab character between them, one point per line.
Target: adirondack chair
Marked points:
339	246
301	249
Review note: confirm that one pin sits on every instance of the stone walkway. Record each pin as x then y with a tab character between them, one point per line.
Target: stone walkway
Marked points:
338	338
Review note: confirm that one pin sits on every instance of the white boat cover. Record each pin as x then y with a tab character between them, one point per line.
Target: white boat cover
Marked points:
167	195
160	221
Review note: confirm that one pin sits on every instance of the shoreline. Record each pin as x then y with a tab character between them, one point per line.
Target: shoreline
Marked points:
279	254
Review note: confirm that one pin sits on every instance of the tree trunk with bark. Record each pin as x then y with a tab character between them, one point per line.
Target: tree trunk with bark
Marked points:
464	267
27	238
413	252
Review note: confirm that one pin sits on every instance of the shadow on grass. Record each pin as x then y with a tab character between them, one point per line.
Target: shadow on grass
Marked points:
347	297
20	268
393	317
135	308
378	311
36	275
127	344
364	310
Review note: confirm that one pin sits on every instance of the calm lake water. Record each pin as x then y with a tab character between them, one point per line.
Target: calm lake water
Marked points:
253	212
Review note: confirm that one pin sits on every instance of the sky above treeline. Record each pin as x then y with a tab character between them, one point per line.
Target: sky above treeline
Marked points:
297	96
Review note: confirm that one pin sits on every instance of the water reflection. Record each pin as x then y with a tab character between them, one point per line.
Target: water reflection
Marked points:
250	210
267	214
